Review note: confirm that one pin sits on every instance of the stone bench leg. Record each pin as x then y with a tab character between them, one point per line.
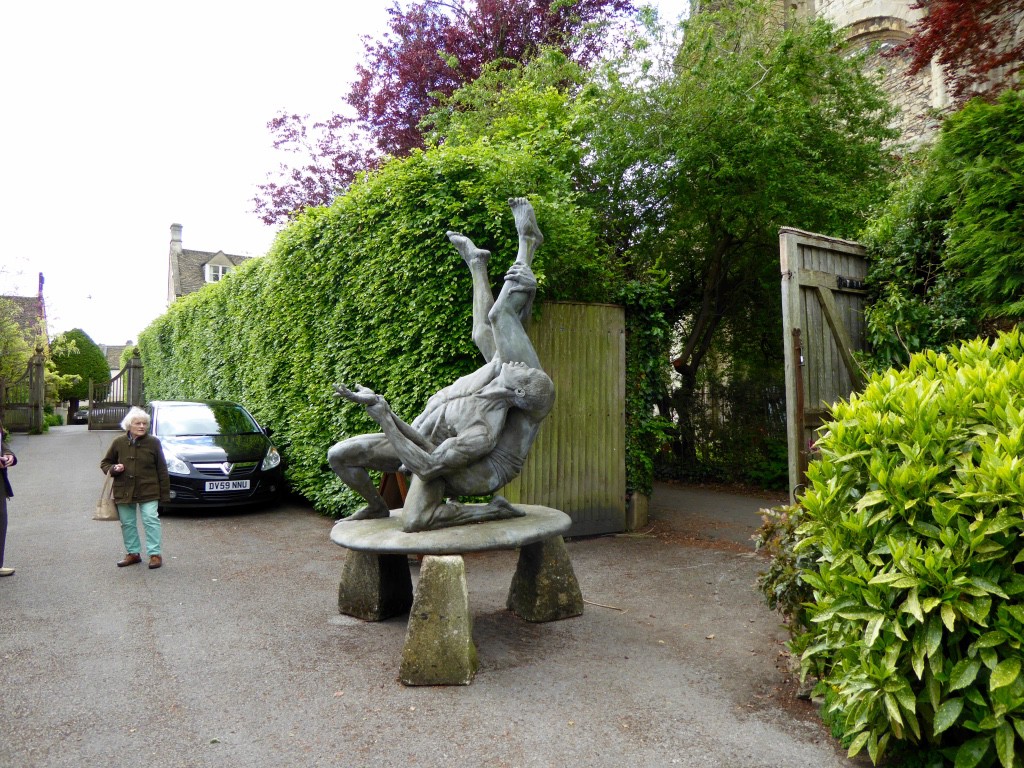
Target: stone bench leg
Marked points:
544	587
439	646
374	587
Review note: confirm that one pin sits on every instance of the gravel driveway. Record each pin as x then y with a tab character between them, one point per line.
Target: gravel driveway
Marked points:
234	654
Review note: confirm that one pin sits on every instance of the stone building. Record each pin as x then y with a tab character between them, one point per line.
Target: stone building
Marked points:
188	270
31	312
113	352
877	26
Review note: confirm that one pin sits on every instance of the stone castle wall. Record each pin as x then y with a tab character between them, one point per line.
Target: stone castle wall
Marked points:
876	26
880	25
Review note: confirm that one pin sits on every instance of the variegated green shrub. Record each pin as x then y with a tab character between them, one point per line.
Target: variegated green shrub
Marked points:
916	507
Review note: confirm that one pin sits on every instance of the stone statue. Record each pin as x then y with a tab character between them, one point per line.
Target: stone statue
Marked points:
473	436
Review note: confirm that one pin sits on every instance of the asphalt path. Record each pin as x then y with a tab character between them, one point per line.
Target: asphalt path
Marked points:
234	654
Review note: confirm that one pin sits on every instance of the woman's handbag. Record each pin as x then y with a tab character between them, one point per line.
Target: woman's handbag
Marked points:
106	509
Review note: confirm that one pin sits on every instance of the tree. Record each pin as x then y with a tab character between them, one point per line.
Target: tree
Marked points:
697	165
15	349
975	41
77	357
431	49
692	166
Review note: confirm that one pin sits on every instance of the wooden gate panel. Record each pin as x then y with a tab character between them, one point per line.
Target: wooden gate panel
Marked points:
578	462
823	320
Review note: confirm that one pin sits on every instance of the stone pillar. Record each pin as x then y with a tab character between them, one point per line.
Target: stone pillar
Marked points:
37	390
637	511
134	369
544	587
439	647
374	587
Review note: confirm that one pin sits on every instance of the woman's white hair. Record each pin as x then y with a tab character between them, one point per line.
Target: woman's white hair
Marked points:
135	414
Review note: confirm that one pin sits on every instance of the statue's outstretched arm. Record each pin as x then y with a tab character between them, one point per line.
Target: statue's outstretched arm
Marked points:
380	411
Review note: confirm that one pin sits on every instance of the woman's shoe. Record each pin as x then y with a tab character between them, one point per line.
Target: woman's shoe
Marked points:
132	558
6	571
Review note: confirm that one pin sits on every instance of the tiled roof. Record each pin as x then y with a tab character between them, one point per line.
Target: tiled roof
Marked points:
30	311
113	354
190	268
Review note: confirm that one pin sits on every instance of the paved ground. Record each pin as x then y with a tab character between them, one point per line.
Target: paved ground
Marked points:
234	653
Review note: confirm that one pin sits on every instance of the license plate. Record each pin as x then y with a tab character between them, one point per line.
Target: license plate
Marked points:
227	485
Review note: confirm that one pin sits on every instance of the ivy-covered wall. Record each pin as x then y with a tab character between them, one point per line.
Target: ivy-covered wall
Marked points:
368	291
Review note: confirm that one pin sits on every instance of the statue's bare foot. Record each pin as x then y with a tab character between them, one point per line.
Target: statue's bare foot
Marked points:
503	505
526	221
469	252
452	513
371	512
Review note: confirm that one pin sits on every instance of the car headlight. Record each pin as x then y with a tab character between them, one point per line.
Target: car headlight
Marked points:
271	460
175	465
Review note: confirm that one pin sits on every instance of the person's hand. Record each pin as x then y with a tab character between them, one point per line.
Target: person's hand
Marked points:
6	460
116	469
521	277
362	395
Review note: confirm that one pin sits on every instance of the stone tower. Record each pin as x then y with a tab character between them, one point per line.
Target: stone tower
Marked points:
877	26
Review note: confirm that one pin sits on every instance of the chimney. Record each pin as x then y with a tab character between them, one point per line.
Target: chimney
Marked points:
176	236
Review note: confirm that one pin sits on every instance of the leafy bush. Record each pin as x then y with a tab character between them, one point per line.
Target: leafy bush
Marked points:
947	250
648	336
916	506
982	150
917	302
81	360
783	585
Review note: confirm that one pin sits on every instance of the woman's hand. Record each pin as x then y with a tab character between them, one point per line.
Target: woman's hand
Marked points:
6	460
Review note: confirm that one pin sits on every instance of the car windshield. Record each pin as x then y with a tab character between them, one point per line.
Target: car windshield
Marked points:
201	419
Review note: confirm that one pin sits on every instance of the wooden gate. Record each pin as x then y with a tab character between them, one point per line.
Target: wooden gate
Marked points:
823	325
109	402
21	401
578	463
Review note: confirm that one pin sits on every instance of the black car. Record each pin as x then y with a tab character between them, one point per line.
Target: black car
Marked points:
81	416
217	455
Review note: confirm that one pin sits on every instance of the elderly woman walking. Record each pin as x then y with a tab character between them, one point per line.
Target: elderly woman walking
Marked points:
136	461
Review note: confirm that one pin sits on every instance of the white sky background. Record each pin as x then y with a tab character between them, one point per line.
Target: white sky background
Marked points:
122	117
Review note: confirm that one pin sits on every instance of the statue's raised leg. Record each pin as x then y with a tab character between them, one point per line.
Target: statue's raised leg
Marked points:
476	259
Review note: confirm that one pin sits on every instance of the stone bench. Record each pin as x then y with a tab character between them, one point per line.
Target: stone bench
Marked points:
439	650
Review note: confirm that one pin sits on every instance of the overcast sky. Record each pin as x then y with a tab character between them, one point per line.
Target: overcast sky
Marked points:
121	118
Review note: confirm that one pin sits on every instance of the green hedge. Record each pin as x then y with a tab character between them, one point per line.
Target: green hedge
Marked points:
369	291
914	514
